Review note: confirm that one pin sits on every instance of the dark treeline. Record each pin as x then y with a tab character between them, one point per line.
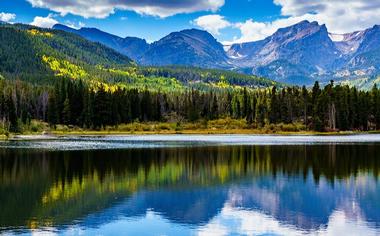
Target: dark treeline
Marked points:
71	102
20	103
187	74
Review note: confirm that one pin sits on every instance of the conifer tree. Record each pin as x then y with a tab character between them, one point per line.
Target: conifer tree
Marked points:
66	112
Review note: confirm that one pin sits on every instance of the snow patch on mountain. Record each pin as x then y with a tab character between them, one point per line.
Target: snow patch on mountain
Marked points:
336	37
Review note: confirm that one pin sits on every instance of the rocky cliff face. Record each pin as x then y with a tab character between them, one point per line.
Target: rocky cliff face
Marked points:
188	47
291	53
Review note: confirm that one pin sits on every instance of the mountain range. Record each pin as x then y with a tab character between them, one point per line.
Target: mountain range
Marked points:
188	47
37	55
298	54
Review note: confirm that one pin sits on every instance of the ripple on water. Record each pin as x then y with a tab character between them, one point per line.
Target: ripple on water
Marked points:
156	141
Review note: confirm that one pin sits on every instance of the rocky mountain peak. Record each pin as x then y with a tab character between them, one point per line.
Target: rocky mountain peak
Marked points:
299	53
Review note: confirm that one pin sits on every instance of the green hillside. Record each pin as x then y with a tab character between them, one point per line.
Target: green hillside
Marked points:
27	52
38	55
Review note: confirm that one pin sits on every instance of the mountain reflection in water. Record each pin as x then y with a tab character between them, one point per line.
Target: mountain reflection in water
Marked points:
193	190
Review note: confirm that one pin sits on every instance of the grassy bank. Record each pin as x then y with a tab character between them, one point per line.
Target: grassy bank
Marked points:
220	126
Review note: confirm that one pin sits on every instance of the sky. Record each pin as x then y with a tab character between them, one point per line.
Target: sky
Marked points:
230	21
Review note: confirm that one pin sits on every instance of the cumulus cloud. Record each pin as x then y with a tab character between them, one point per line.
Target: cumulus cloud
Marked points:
250	30
212	23
103	8
340	16
44	22
75	25
254	31
7	17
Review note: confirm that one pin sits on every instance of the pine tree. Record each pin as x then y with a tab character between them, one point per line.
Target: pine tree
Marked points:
157	105
246	104
214	108
318	113
102	107
376	105
274	107
229	108
52	110
88	110
12	116
305	104
146	106
66	113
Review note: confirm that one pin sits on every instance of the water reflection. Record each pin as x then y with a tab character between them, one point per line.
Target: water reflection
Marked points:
193	190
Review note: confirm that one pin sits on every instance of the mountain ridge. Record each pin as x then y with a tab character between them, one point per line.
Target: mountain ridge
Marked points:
292	45
299	54
132	47
38	55
190	47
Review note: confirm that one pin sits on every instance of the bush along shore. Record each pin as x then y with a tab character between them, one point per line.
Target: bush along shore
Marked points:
42	130
70	106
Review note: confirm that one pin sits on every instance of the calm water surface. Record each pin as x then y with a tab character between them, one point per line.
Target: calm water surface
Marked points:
191	185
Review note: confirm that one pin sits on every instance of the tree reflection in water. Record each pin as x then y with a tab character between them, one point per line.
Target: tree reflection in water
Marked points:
297	185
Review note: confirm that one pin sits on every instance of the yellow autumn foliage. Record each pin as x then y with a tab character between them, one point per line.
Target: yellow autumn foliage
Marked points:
64	68
36	32
110	88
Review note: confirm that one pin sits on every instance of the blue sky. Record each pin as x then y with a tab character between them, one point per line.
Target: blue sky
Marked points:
228	20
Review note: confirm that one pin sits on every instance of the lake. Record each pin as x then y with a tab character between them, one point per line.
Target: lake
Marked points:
191	185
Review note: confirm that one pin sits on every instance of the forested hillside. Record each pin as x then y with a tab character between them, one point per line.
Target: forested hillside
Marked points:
33	53
38	55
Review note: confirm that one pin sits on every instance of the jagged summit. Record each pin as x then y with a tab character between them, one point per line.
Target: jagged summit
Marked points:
301	53
187	47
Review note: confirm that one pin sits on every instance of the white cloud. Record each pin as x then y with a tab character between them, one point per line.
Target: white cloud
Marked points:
253	30
103	8
254	222
250	30
212	23
7	17
340	16
44	22
75	25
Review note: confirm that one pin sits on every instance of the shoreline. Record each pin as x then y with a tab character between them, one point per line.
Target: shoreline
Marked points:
56	135
226	126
